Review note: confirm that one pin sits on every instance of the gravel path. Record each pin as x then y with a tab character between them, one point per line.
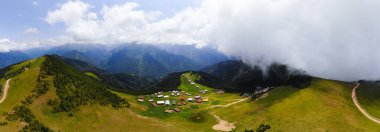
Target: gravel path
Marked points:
361	109
5	91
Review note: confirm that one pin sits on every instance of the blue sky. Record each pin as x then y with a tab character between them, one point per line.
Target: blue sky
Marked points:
18	15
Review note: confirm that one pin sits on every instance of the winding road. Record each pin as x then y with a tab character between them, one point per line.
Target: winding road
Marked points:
361	109
5	91
224	125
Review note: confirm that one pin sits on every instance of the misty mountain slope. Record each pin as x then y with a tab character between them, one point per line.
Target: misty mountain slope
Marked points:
204	55
140	59
232	70
77	55
122	82
12	57
93	53
145	60
238	76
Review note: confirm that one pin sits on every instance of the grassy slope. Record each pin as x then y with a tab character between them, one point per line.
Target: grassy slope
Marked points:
369	97
325	106
21	85
19	90
89	118
93	118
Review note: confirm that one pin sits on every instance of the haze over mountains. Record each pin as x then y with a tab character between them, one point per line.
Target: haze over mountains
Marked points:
9	58
136	59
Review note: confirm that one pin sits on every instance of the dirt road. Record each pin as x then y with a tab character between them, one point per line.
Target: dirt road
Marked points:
227	105
5	91
362	110
222	124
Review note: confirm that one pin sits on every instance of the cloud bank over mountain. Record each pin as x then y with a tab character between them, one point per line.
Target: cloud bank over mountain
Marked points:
337	39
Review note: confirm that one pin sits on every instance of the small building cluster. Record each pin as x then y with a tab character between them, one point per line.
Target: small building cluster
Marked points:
260	90
174	98
175	93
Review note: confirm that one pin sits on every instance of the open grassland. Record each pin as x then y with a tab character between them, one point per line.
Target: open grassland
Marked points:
368	95
92	75
324	106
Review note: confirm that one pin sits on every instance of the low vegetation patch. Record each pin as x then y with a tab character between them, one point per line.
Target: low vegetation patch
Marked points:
198	117
3	123
23	113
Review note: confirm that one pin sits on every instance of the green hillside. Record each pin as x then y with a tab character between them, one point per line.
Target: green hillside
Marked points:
46	94
324	106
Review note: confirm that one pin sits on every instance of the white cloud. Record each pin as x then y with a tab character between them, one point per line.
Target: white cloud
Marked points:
31	30
329	38
116	24
7	45
4	41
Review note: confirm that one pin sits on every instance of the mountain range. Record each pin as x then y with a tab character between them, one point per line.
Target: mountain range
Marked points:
136	59
12	57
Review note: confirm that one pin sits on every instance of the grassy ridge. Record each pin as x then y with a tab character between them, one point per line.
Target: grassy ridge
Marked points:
21	86
19	89
324	106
